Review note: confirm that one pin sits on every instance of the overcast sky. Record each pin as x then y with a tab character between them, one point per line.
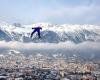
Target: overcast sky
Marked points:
52	11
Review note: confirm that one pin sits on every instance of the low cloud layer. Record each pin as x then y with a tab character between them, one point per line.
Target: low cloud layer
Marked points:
62	45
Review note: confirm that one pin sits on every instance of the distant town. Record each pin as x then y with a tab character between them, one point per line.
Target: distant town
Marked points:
39	67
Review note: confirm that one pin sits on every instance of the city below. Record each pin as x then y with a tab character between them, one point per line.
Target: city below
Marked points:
38	67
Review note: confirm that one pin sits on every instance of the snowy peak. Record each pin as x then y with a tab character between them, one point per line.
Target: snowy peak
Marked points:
51	33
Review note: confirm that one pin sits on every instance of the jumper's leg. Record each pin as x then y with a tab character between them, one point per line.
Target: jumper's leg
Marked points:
39	34
33	33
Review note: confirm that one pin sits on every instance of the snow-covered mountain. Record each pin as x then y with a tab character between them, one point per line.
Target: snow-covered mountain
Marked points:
51	33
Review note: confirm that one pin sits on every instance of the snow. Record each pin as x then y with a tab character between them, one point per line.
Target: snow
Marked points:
48	26
65	79
39	55
64	32
1	55
14	51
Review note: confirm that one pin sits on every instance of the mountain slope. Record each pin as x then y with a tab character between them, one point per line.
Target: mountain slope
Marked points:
51	33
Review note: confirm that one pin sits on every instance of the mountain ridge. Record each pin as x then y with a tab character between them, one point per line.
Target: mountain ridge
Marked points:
51	33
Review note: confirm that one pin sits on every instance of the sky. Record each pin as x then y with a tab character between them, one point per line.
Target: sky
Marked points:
50	11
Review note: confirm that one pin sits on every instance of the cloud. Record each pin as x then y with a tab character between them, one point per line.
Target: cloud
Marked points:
53	11
44	46
86	14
